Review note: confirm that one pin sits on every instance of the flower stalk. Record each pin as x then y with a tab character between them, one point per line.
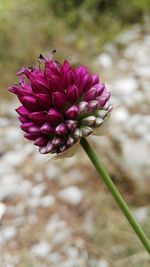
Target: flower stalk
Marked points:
112	188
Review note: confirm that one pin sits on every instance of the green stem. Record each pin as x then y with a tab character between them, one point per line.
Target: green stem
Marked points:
108	182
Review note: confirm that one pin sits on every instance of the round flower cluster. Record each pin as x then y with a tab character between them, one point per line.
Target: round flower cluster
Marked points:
60	104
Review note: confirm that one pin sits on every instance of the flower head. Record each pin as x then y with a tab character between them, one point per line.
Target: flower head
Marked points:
60	104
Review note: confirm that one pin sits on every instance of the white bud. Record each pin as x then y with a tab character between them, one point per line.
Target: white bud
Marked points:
77	133
70	141
43	150
83	107
63	148
89	121
86	130
93	104
101	113
98	122
106	105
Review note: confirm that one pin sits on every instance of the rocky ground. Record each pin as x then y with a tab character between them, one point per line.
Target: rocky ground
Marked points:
56	213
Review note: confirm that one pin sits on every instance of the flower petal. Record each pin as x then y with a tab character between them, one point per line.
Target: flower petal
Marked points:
46	128
29	102
95	79
38	117
54	116
44	100
72	93
59	100
72	112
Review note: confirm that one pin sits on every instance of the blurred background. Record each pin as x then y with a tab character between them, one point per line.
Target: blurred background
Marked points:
57	213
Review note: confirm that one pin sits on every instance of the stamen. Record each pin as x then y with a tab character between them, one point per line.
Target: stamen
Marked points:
52	54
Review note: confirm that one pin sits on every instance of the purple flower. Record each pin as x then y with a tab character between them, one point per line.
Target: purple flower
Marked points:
60	104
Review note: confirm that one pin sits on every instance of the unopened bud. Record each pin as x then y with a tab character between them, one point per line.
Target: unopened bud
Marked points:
89	121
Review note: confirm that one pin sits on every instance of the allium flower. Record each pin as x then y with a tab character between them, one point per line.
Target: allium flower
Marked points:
60	104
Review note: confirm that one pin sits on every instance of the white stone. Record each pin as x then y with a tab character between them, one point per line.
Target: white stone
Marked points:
33	202
147	138
47	201
13	134
125	86
52	171
9	185
72	252
41	249
120	114
111	49
129	35
54	258
2	210
102	263
105	60
38	189
55	224
122	64
61	236
136	155
9	233
4	169
4	122
14	158
71	195
141	214
143	71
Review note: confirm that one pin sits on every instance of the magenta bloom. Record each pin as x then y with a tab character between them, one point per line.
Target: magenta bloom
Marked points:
60	104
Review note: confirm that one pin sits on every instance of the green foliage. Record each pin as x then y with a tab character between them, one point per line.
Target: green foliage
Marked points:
125	11
28	27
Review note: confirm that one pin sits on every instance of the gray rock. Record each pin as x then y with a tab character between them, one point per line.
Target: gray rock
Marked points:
72	252
52	171
12	184
71	195
105	60
61	235
13	135
41	249
141	214
35	201
2	210
9	233
102	263
55	225
120	115
4	122
54	258
38	190
47	201
14	158
129	35
125	86
142	71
